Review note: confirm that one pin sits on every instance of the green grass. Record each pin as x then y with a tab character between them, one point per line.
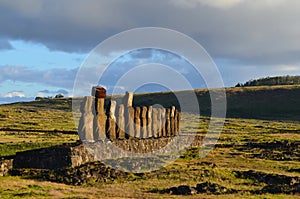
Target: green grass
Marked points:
32	125
50	115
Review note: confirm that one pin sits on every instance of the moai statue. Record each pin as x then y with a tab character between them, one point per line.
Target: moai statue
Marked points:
173	120
149	123
137	122
144	133
163	122
85	127
121	122
155	125
100	118
129	119
129	113
177	121
111	122
168	122
159	123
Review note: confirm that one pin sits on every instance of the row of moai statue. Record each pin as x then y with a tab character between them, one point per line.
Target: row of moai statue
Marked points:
123	121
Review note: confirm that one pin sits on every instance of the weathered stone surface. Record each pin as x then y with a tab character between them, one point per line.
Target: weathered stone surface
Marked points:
163	122
100	127
80	155
149	122
5	166
111	123
137	122
112	109
128	99
177	122
87	104
53	157
155	124
121	122
100	120
168	122
86	123
144	133
172	120
99	106
159	122
129	119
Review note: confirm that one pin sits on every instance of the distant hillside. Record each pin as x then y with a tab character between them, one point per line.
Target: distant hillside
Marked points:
261	102
271	81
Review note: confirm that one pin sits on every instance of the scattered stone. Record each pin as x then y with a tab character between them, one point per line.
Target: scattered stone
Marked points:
275	150
182	190
212	188
278	189
5	166
86	173
270	179
206	187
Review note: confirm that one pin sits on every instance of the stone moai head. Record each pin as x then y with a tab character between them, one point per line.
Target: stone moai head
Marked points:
99	92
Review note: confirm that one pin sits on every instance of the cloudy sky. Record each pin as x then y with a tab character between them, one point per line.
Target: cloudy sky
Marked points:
43	42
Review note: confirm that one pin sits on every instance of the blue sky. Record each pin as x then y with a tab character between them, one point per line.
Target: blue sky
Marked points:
31	69
43	44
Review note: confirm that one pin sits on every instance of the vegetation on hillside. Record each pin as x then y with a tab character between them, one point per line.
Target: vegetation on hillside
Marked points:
271	81
261	102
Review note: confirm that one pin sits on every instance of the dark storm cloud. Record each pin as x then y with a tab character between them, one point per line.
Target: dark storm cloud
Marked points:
5	45
247	31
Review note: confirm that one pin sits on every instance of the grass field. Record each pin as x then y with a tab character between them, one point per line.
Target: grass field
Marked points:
254	158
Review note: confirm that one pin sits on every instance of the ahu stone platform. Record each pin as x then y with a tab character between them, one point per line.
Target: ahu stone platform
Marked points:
131	129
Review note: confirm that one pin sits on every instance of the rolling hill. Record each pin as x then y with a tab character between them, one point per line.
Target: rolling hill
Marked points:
257	102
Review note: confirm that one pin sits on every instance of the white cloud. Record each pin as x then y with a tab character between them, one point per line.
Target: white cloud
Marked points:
224	4
213	3
52	93
14	94
288	68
